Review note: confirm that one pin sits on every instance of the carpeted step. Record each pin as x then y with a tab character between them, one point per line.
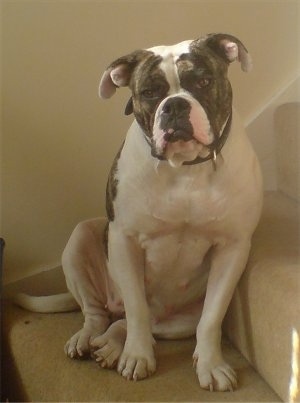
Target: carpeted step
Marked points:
37	369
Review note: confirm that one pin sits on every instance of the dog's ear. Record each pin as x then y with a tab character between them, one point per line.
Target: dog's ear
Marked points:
118	74
228	47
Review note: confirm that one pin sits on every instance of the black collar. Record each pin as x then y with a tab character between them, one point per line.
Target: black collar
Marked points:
214	148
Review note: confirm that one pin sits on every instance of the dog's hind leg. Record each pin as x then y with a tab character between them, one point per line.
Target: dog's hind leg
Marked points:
84	266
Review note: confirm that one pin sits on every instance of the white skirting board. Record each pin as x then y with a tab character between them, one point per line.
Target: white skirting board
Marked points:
260	128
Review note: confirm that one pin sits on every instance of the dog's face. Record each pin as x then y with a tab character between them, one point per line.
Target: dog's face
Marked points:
181	96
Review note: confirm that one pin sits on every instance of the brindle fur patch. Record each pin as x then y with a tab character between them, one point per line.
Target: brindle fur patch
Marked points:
216	98
111	187
148	75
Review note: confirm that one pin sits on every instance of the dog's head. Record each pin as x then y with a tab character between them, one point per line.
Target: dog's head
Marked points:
181	96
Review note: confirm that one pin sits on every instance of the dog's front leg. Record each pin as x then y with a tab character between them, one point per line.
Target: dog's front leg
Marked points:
126	266
227	265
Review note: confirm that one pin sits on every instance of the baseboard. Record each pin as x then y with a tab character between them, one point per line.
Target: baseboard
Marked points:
260	128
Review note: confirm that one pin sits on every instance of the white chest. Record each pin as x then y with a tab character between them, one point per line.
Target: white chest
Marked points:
168	198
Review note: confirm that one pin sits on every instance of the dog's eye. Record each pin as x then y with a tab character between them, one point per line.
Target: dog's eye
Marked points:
148	93
153	92
203	82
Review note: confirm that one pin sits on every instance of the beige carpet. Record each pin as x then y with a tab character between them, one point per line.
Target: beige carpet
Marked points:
36	369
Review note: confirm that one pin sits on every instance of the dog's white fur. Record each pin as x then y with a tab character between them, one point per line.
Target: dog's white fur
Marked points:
177	247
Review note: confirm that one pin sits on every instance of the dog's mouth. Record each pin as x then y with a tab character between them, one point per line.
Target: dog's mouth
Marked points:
173	135
178	146
177	152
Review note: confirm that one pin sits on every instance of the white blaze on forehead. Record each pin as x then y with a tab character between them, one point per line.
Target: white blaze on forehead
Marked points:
170	55
175	50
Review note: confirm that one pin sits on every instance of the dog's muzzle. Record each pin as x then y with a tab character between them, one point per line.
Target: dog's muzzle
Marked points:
181	129
182	134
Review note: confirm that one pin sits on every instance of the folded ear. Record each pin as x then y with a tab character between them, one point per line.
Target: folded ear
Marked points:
118	74
229	48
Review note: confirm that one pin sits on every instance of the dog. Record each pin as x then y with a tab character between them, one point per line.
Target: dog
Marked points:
183	199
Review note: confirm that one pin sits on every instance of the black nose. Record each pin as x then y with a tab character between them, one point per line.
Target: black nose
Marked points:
176	106
175	120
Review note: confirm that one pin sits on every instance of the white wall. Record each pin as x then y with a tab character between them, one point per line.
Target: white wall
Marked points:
59	138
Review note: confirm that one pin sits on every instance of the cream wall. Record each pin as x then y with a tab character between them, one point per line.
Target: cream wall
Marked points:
59	138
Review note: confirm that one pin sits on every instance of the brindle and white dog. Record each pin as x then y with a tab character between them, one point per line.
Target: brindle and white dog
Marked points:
183	198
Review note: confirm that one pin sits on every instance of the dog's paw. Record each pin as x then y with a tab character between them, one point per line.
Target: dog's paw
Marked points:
216	376
78	345
107	349
137	363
